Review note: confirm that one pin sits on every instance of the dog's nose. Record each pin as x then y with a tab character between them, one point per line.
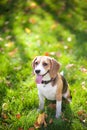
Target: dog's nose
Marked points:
37	71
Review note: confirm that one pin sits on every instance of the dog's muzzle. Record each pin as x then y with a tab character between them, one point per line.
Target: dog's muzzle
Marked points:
37	71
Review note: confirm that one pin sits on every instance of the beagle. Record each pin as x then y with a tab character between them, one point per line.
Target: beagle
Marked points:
50	83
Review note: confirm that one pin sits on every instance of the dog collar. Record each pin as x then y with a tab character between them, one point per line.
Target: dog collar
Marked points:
48	81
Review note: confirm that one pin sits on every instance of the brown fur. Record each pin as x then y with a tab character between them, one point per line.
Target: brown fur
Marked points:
54	68
59	88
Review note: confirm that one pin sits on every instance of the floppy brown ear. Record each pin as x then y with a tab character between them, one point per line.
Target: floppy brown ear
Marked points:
54	68
33	62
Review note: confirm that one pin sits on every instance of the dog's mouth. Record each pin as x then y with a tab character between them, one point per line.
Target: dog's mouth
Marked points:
39	79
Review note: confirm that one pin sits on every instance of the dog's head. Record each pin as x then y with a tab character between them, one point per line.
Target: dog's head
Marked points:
44	64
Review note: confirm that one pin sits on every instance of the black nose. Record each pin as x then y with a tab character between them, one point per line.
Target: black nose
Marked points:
37	71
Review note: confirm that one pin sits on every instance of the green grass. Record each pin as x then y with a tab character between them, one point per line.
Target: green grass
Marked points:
31	28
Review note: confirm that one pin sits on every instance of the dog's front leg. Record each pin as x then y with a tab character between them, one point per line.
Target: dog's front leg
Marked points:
59	99
41	102
58	108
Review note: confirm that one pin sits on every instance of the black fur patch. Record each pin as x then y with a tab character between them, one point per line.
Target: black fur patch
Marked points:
65	84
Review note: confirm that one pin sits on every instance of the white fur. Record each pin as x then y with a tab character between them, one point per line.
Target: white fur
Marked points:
65	95
62	73
47	90
58	108
41	68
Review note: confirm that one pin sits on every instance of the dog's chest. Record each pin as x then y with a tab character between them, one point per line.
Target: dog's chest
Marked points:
48	91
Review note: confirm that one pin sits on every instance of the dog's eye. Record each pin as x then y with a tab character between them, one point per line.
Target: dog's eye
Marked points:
36	63
45	64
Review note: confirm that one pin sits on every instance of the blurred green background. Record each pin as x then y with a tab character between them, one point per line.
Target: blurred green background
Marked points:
56	28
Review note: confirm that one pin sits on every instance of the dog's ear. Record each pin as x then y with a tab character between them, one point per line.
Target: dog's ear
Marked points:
54	67
33	62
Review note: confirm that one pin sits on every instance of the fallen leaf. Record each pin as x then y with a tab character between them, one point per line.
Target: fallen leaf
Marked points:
64	118
46	54
51	121
80	112
58	54
4	116
32	20
84	70
20	128
41	120
36	125
18	116
27	30
33	5
13	52
69	66
54	26
52	106
9	44
31	128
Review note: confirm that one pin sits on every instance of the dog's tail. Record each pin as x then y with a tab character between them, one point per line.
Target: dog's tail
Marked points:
62	73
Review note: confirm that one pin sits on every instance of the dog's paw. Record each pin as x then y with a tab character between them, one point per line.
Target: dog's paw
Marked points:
57	115
38	110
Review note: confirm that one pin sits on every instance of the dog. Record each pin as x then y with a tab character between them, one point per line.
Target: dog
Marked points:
50	83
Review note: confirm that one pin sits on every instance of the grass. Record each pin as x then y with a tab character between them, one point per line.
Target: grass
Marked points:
31	28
